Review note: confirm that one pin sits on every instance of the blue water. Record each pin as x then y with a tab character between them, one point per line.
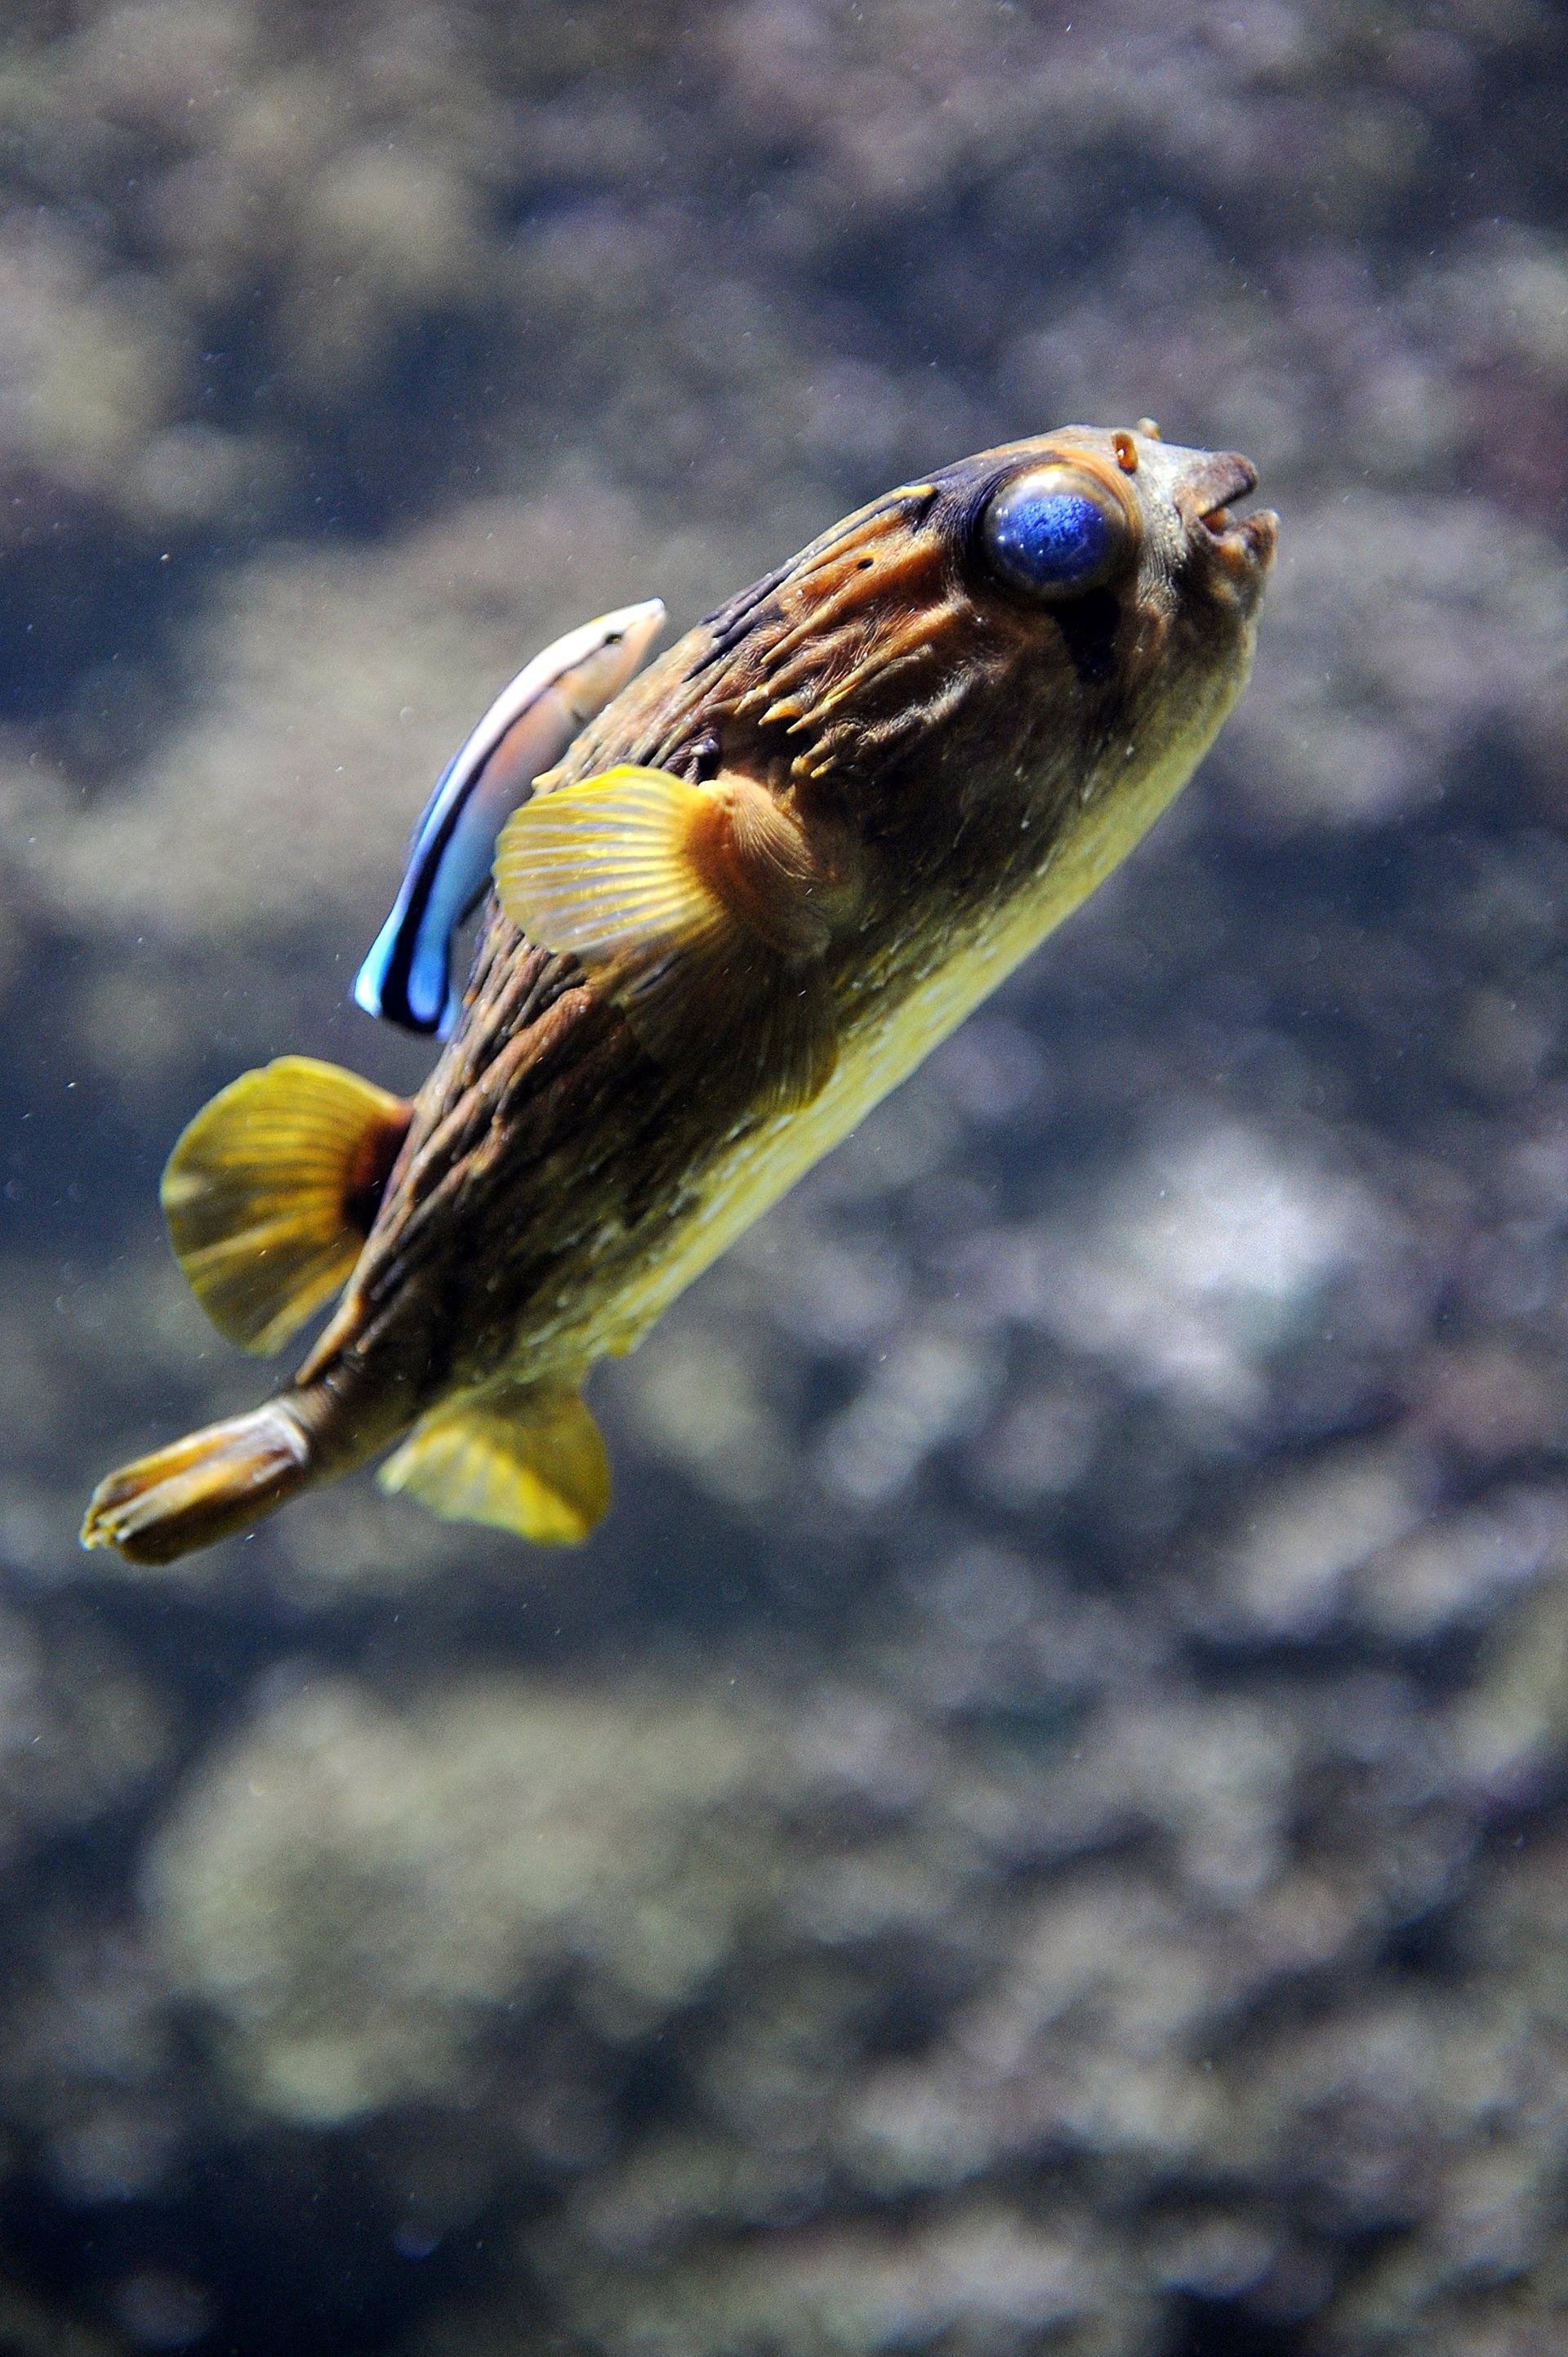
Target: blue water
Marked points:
1038	1821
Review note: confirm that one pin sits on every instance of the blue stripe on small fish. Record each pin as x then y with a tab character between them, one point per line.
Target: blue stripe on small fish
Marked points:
407	976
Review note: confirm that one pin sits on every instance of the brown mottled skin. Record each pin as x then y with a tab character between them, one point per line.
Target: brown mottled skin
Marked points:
956	759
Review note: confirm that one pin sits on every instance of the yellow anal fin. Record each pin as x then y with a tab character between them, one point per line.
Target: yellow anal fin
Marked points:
706	911
526	1460
271	1191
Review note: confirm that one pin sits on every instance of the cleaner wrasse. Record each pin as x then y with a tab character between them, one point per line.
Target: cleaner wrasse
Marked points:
756	890
407	976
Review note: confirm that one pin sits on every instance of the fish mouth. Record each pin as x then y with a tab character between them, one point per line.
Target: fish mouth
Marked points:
1241	543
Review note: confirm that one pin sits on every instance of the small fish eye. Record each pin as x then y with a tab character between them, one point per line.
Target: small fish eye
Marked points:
1053	532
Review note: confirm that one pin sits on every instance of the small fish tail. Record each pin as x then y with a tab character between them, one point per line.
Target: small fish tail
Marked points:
211	1485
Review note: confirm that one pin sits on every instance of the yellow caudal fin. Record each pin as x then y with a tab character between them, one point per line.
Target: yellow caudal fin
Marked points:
209	1486
270	1193
704	908
522	1460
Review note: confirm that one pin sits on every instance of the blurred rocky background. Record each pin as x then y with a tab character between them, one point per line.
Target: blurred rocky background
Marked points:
1042	1822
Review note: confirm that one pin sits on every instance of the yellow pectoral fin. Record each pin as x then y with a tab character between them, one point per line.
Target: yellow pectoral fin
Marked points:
530	1461
270	1193
604	868
700	907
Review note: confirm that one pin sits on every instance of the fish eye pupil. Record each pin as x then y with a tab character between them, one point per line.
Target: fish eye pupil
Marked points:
1053	539
1046	535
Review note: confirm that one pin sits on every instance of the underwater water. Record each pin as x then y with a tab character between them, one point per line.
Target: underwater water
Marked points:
1040	1823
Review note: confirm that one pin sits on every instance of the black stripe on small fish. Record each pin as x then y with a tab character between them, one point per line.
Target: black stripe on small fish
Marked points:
395	1003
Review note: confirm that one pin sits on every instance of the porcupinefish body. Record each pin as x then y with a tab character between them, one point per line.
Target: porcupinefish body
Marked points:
761	886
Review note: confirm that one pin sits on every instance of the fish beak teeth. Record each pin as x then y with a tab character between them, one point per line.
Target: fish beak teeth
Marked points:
1261	532
1241	548
1218	482
1244	544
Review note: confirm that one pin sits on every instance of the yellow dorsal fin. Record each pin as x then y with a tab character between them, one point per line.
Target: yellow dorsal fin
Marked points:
520	1457
702	908
270	1193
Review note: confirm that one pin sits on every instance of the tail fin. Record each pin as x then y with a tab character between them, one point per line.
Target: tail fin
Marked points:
270	1193
206	1487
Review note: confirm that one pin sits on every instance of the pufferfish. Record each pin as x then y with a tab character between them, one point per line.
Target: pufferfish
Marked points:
763	883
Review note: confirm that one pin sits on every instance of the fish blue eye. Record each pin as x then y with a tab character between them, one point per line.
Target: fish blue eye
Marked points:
1051	534
1051	540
